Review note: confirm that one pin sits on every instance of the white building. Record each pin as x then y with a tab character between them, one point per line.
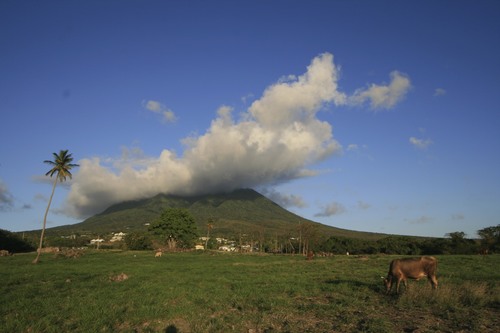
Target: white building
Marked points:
118	237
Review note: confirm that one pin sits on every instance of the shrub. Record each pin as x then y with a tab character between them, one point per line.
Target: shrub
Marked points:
138	241
13	243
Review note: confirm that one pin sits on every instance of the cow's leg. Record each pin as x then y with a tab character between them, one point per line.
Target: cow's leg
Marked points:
397	285
405	282
434	282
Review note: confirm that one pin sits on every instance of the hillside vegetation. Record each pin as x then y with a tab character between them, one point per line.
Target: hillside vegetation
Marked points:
240	212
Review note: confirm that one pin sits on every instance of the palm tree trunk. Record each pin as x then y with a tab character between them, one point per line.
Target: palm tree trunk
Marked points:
45	223
209	226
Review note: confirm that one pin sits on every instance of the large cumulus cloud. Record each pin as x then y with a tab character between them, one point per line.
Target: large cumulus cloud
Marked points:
274	141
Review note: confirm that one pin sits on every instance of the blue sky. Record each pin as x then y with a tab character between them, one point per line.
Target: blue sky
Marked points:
377	116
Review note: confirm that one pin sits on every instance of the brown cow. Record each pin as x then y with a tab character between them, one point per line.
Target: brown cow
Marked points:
411	268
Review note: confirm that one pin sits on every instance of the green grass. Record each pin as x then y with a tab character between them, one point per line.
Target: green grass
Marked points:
211	292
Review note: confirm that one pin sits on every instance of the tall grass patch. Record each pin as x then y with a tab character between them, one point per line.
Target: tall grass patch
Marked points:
467	294
462	302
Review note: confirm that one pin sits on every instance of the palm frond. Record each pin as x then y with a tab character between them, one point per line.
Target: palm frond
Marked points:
61	165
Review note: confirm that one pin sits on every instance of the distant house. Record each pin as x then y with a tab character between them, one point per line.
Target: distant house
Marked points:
96	241
117	237
73	236
246	248
199	247
227	248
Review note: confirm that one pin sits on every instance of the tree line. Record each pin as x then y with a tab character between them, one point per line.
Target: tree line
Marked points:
176	229
454	243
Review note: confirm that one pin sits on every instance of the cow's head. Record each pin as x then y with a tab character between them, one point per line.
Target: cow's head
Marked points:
387	283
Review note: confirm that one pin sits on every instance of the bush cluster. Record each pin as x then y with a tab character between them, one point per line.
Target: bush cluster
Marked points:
13	243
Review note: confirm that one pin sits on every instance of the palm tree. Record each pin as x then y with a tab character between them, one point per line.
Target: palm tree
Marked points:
61	166
210	225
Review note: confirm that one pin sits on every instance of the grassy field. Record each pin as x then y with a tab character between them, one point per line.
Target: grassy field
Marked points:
213	292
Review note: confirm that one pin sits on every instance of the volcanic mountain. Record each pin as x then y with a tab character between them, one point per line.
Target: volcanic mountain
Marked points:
242	211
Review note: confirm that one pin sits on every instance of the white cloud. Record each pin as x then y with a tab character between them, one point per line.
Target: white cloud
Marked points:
6	198
384	96
285	200
40	197
246	98
26	206
363	205
439	92
420	143
333	208
421	220
457	216
298	101
274	141
352	147
156	107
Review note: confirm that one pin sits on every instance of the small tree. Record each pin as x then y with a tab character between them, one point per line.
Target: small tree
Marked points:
308	233
210	226
177	227
459	244
490	238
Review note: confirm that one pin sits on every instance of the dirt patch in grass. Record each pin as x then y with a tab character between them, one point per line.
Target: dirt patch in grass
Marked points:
118	278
